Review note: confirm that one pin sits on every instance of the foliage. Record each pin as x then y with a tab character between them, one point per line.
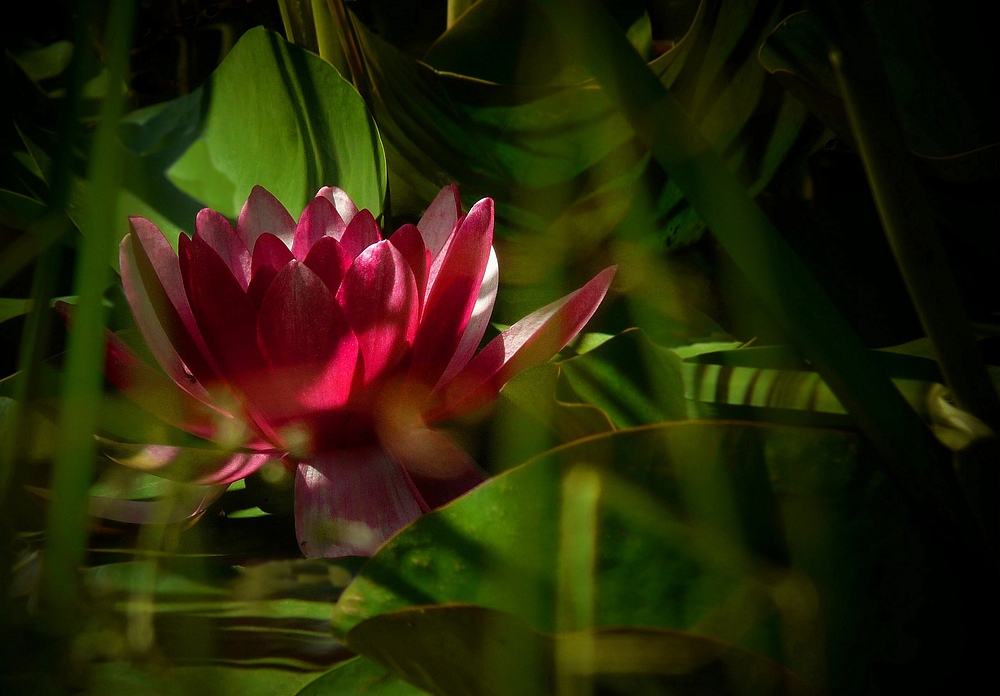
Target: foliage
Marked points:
769	466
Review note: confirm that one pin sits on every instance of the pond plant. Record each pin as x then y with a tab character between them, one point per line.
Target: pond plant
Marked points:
279	413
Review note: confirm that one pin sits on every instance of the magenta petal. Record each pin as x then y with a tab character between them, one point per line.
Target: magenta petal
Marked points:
186	464
440	469
329	261
157	394
440	218
478	322
532	340
190	500
220	235
452	296
270	255
360	234
150	325
347	503
225	315
160	271
264	213
307	340
379	298
319	219
341	201
300	322
410	244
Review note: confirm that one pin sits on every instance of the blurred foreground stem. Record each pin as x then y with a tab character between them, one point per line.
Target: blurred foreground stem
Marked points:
74	462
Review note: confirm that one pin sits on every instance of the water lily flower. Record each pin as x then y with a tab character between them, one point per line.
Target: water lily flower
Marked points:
321	343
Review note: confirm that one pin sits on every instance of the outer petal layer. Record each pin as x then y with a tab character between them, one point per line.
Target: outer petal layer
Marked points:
151	326
348	502
158	266
478	322
532	340
452	296
225	315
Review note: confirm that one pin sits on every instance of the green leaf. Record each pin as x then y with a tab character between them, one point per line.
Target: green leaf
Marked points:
672	545
42	63
783	540
276	115
19	211
13	307
359	676
467	649
632	380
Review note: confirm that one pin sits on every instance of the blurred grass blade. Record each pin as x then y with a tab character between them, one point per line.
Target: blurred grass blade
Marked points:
73	467
578	552
777	276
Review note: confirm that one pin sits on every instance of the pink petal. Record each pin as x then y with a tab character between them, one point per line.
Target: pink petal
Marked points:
329	261
161	275
531	341
270	255
189	501
308	342
453	295
158	394
341	201
186	464
225	315
360	234
379	298
438	221
319	219
264	213
151	327
478	322
410	244
300	322
350	501
216	230
440	469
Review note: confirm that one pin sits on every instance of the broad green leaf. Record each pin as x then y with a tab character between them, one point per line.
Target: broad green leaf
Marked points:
276	115
783	540
271	114
691	517
359	676
466	649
